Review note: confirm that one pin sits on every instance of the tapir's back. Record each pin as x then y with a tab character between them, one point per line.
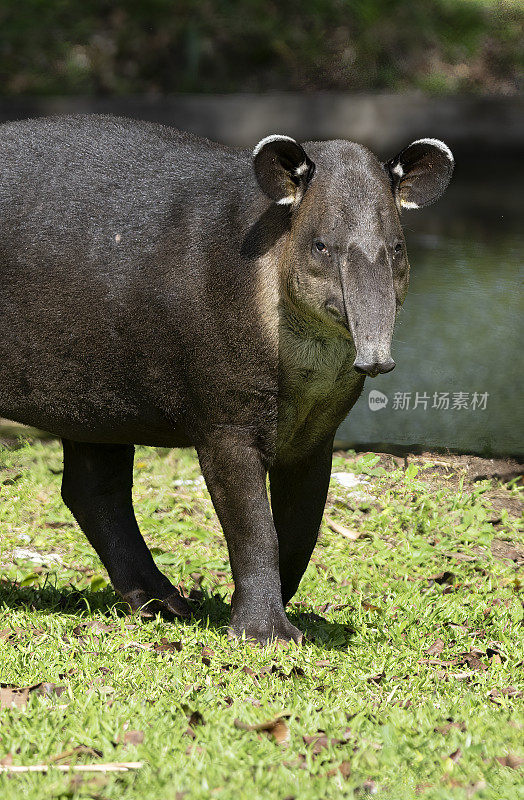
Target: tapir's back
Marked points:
97	191
106	226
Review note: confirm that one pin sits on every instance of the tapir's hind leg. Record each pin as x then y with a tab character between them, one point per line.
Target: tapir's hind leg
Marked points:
96	487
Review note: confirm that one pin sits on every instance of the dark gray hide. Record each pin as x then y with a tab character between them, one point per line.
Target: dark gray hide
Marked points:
158	288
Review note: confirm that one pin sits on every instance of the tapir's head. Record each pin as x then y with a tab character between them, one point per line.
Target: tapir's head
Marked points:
345	257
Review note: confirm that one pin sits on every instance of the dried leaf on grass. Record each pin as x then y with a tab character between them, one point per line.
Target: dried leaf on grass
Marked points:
445	578
274	669
133	737
93	626
444	729
495	649
368	787
370	607
511	760
473	660
85	785
136	646
164	646
275	727
507	551
341	529
11	633
510	691
436	648
297	763
12	478
18	696
343	769
455	755
10	698
320	741
194	719
251	672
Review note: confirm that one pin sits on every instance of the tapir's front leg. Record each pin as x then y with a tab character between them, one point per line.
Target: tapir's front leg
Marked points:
236	478
298	498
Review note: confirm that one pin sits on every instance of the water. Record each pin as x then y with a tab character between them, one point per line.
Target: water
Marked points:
461	329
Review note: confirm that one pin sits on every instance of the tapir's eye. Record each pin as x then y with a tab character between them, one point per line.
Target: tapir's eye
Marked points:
320	247
398	247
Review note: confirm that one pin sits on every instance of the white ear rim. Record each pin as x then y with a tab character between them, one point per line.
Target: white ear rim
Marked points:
274	137
301	169
439	144
397	169
409	204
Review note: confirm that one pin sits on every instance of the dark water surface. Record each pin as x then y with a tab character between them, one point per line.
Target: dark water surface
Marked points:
460	334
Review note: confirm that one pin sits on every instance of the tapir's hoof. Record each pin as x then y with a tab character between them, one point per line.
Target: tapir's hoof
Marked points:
262	633
176	604
148	606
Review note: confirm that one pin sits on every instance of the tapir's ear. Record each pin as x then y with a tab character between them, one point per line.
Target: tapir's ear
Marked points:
282	168
421	172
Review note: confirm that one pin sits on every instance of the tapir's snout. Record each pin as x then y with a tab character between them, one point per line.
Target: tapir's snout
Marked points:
369	298
373	367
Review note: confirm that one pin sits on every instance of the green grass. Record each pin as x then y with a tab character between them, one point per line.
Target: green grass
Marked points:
437	559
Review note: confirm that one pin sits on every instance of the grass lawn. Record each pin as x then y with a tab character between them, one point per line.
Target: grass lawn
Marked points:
410	683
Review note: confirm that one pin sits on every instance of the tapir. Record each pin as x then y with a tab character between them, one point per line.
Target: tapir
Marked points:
158	288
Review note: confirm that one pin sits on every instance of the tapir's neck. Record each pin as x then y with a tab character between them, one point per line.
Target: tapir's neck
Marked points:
317	383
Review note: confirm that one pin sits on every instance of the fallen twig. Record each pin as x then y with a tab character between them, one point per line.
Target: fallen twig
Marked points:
116	766
338	528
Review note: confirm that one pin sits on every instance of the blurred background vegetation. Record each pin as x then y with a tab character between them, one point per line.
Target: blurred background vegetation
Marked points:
102	47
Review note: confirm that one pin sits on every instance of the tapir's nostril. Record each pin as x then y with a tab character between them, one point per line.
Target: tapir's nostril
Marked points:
373	368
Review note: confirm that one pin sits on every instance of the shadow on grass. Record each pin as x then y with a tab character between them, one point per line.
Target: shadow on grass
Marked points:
326	635
209	610
64	600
